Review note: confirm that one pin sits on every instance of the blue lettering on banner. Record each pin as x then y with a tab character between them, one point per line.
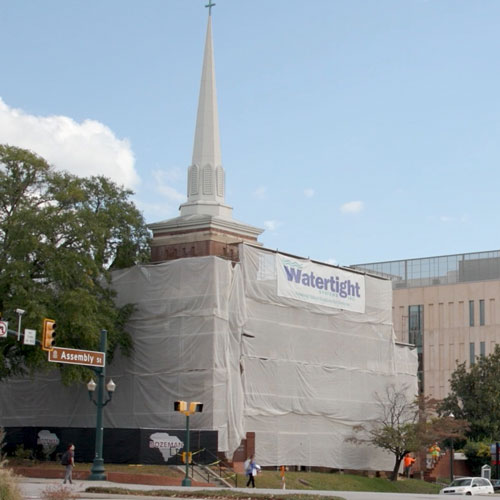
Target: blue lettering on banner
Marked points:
344	288
320	284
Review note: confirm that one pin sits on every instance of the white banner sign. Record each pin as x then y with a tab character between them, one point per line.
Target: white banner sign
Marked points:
317	284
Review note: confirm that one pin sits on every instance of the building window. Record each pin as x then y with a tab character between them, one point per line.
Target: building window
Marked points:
471	313
472	353
482	348
416	337
415	325
481	312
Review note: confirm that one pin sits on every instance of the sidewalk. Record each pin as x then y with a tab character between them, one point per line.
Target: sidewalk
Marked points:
33	487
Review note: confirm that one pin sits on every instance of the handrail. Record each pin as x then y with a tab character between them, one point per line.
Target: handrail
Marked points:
225	471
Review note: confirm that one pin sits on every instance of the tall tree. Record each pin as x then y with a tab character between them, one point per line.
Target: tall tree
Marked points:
405	424
395	429
60	236
475	396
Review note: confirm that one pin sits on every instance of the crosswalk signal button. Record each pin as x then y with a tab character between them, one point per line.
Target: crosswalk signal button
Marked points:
48	334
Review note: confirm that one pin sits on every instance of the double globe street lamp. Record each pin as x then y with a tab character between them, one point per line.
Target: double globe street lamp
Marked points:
97	470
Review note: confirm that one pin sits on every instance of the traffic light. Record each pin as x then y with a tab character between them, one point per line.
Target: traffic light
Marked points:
180	406
189	456
48	334
195	407
188	408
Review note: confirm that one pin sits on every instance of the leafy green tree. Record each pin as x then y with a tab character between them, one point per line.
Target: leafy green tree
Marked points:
475	396
478	454
60	237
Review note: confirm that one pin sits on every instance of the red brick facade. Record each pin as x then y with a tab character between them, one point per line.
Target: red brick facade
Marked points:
197	244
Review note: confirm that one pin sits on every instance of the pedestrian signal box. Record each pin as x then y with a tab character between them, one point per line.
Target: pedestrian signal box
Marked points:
189	457
48	334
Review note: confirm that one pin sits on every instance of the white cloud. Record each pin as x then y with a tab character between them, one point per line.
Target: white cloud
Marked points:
272	225
84	149
352	207
154	212
446	218
309	192
171	175
260	192
163	179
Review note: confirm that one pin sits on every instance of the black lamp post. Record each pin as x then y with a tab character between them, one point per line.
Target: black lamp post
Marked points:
451	454
97	470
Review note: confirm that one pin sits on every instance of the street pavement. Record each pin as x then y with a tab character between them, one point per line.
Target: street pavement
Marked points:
33	488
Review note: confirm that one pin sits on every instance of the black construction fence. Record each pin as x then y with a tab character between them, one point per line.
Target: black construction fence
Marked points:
120	446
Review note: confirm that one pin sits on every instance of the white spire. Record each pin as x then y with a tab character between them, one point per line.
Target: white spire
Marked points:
206	140
206	177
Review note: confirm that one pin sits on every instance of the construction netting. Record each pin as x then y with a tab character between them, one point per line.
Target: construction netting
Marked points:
292	350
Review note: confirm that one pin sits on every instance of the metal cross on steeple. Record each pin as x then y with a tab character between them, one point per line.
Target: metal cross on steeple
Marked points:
210	5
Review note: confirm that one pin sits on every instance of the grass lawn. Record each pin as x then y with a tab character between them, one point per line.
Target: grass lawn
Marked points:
340	482
271	479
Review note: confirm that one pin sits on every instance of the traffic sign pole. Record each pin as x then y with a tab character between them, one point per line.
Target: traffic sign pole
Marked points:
97	471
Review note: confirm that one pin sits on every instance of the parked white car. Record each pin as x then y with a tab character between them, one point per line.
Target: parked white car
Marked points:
469	486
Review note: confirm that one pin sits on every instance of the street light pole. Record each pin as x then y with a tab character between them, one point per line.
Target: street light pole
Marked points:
451	461
97	470
451	455
186	481
187	409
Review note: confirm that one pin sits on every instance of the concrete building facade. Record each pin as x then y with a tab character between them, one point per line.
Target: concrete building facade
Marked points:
448	307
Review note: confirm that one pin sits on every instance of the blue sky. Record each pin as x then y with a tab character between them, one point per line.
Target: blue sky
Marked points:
352	131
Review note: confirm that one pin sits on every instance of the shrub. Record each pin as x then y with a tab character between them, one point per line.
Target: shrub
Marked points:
21	453
60	492
9	489
478	454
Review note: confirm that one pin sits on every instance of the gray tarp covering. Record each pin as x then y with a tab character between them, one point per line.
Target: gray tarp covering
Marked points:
300	375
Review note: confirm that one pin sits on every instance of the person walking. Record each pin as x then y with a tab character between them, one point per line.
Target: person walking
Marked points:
250	470
68	460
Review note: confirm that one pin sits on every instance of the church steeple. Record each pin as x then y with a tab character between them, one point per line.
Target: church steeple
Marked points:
206	176
205	225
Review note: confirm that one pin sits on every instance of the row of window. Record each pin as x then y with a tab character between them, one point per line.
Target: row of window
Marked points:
416	318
